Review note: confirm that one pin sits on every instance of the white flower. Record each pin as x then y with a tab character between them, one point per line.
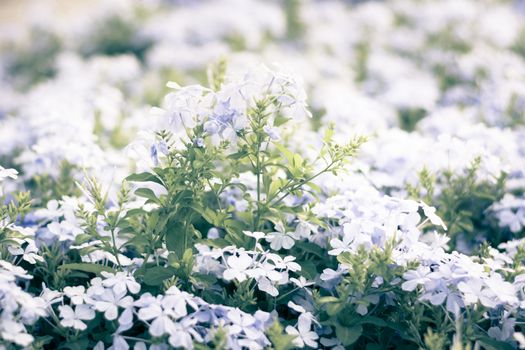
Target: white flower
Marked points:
273	132
304	336
73	318
175	304
265	285
304	229
474	291
110	301
430	213
125	320
333	343
5	173
280	238
162	322
415	277
240	321
265	270
51	212
256	235
140	346
96	288
10	272
520	338
64	230
163	311
50	296
15	332
120	282
76	294
296	307
330	274
350	232
29	253
301	282
119	343
182	334
237	267
288	262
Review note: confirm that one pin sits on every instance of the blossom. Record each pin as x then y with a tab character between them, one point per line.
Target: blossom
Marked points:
110	301
64	230
256	235
75	294
350	233
120	282
304	335
415	277
182	334
237	267
15	332
266	285
73	317
475	291
295	307
301	282
333	343
10	272
280	238
272	132
162	322
304	229
5	173
520	338
29	252
241	322
430	213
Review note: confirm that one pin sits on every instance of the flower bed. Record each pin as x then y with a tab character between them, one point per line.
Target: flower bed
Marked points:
229	210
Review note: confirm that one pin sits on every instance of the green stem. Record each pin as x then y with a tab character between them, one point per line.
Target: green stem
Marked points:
258	173
297	186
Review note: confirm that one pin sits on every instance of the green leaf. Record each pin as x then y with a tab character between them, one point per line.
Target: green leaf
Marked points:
286	152
348	335
334	308
311	248
87	267
144	177
376	321
493	344
205	280
147	193
345	258
187	257
238	155
135	211
183	198
328	134
215	243
275	186
82	238
156	275
308	269
138	241
176	238
328	299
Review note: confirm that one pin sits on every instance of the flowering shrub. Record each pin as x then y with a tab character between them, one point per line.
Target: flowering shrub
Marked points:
229	209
